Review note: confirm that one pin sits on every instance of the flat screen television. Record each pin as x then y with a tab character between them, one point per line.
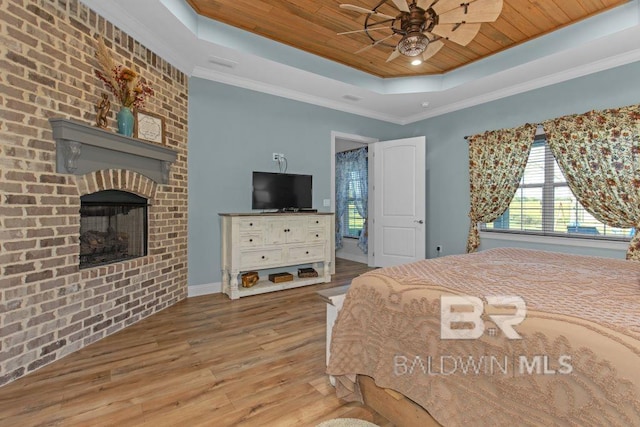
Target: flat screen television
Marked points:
281	191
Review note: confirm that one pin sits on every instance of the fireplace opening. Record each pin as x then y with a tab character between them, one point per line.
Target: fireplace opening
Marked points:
113	227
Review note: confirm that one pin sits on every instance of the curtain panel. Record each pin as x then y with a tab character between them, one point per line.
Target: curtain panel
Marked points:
496	164
599	154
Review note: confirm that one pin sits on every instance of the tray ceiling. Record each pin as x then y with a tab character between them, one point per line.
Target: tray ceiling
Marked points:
312	26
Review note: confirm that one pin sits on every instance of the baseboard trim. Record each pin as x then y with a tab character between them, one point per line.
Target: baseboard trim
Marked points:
204	289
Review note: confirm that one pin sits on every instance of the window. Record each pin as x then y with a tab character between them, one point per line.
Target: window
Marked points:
544	204
353	221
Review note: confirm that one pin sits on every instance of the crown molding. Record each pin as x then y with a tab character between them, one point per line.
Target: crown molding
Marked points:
257	86
186	60
559	77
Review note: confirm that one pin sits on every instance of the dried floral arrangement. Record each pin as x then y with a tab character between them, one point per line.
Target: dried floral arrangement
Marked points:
129	87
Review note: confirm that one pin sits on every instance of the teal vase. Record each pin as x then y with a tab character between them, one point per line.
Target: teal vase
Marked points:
125	121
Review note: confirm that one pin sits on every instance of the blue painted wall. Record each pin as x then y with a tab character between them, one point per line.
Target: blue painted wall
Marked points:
234	131
447	152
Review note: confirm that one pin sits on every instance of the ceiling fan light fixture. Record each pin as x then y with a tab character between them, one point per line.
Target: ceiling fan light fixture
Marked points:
413	44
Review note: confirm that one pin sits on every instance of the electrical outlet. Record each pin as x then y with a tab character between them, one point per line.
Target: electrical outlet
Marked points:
276	157
439	250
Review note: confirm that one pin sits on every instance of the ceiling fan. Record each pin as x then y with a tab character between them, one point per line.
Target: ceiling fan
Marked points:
422	25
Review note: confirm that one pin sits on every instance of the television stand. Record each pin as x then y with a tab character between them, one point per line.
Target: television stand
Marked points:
275	243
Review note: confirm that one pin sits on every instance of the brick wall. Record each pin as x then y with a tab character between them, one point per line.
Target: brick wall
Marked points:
48	307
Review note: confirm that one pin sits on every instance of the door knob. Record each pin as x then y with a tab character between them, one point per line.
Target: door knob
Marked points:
419	221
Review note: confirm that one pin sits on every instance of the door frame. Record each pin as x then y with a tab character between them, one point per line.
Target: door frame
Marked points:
361	140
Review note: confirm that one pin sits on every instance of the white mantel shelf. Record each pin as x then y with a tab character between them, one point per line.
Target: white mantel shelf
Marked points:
82	148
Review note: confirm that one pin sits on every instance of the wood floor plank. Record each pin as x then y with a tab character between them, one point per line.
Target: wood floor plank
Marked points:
256	361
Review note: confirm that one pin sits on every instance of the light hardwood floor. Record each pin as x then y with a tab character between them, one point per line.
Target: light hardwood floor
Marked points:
257	361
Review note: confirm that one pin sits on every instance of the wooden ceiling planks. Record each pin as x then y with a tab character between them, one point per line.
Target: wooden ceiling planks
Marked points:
522	21
312	25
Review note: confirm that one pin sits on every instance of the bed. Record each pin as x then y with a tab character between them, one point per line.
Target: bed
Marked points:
577	362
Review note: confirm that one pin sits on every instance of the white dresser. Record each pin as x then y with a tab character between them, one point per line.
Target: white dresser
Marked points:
275	243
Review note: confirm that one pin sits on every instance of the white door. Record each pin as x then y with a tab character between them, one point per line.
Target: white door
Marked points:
398	201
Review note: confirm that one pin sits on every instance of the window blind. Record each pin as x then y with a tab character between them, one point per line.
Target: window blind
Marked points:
544	204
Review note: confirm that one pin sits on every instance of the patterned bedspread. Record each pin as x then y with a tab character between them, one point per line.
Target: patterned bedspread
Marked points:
577	362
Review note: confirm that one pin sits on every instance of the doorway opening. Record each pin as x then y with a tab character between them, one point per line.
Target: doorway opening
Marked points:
352	217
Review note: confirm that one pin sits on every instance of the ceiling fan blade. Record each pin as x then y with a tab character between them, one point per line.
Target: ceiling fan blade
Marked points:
461	34
424	4
477	11
401	5
443	6
432	48
393	55
374	44
362	31
366	11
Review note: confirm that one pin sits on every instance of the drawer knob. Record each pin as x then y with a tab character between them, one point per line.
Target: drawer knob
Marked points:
317	235
263	256
250	224
307	252
251	240
317	222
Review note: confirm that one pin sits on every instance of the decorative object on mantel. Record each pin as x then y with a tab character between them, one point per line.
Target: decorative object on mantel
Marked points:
81	148
129	87
148	126
125	120
102	111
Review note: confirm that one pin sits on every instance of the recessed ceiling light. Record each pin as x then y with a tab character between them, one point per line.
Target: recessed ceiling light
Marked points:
425	104
416	62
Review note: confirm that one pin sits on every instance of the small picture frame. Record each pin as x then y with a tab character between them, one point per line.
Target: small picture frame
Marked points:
149	127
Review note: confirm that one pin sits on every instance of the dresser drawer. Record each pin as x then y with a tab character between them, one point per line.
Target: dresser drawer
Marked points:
251	240
316	235
249	224
306	253
316	222
259	258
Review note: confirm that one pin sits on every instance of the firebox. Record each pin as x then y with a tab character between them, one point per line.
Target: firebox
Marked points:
113	227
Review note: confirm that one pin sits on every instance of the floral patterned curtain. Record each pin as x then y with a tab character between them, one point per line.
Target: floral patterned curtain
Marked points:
352	166
599	154
496	163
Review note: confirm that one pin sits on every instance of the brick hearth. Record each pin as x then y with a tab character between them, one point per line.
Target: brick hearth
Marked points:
48	307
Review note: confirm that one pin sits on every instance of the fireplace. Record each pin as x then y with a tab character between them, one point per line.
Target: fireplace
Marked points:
113	227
